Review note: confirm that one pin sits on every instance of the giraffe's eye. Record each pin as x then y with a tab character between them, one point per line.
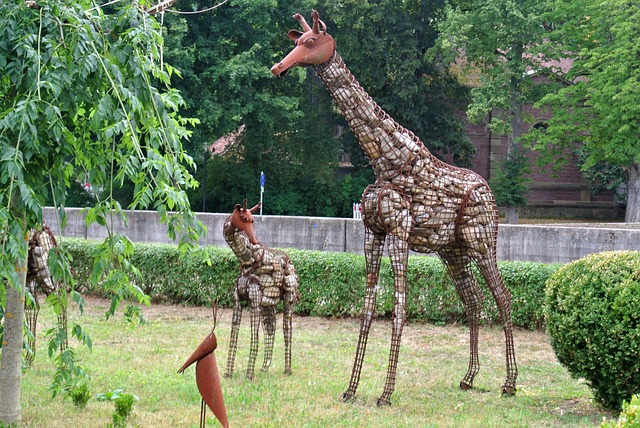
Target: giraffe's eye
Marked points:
310	42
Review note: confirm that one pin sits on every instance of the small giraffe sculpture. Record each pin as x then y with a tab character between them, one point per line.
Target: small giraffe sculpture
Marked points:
417	203
267	276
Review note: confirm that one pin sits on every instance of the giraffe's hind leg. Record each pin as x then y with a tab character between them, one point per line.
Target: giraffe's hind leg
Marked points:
287	317
489	269
269	325
459	267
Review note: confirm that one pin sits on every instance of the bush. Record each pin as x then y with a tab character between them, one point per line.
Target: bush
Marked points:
629	418
331	284
593	319
79	395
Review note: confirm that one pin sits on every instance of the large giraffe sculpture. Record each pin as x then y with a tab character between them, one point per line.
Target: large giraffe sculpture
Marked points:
417	203
267	276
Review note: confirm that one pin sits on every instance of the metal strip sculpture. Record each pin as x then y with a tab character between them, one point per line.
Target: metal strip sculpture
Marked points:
39	277
267	276
418	203
207	377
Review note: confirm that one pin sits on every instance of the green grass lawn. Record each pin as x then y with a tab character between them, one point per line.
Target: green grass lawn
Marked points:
144	361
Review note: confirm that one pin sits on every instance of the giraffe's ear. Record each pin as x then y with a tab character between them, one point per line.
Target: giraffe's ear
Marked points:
236	207
294	35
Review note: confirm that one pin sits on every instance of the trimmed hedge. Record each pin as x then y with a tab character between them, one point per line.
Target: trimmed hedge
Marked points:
331	284
593	319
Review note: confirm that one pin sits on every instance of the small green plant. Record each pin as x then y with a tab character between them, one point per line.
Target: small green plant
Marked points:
79	395
593	320
629	417
123	403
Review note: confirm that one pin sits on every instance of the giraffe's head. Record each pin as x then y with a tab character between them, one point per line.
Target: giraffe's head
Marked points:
314	46
242	219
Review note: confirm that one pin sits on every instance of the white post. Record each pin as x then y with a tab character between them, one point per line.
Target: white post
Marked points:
262	181
357	211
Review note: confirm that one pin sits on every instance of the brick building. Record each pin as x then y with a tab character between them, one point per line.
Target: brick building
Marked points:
564	193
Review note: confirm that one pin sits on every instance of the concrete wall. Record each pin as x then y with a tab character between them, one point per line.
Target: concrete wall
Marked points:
548	243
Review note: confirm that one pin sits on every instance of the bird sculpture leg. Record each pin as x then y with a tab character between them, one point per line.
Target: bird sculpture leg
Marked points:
459	267
235	327
489	269
269	325
287	318
399	253
373	246
255	297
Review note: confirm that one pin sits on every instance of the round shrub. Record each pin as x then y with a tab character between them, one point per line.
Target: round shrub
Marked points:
593	318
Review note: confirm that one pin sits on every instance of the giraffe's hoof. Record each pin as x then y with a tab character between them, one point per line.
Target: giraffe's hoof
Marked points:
348	397
508	391
287	372
228	375
383	402
465	386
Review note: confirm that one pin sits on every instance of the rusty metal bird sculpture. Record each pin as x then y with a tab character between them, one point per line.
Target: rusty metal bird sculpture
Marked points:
207	377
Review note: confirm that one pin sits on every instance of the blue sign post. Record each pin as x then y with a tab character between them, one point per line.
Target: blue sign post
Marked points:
263	179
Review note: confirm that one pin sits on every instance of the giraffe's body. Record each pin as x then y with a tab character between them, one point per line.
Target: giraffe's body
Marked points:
417	202
416	196
267	276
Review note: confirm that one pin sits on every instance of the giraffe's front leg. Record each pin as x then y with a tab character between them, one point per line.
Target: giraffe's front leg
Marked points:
269	325
373	245
399	253
255	296
235	327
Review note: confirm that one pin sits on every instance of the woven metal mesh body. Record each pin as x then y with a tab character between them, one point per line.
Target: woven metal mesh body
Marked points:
39	279
422	204
267	277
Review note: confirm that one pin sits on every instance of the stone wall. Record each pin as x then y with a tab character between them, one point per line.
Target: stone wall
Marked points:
549	243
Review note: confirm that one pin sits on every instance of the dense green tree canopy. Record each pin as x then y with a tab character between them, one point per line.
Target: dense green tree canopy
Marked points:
600	105
83	93
290	127
490	40
385	46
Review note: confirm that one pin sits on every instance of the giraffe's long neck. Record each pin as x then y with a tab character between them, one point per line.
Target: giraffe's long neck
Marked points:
390	148
239	243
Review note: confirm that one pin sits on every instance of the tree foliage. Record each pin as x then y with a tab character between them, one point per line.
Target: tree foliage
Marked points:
601	104
488	43
289	123
385	45
84	93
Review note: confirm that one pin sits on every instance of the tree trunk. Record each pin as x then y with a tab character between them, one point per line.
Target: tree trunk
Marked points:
632	214
511	215
11	365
